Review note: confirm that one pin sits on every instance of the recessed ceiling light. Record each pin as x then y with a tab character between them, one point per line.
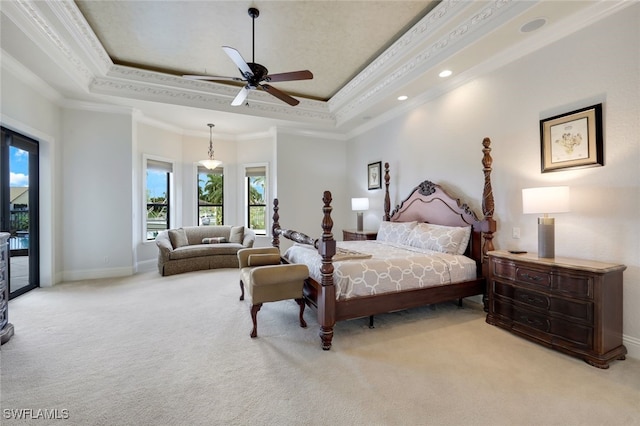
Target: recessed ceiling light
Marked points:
403	98
533	25
445	73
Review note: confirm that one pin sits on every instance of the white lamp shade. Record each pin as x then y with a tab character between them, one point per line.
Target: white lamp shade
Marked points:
359	204
551	199
211	164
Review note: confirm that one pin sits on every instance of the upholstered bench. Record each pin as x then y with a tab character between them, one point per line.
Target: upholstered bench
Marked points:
268	280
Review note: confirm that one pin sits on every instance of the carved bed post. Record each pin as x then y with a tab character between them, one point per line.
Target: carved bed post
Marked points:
275	228
387	200
487	210
487	198
327	298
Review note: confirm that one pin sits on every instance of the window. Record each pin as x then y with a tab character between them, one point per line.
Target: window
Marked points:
210	196
256	184
159	178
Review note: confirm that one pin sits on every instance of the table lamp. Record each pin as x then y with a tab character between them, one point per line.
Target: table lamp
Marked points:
359	205
552	199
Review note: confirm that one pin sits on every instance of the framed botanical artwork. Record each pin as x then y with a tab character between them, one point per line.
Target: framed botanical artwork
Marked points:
374	172
572	140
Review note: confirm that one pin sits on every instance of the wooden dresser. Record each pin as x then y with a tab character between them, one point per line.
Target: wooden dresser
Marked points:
6	328
353	235
571	305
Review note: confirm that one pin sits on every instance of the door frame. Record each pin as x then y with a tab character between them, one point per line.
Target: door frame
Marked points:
18	140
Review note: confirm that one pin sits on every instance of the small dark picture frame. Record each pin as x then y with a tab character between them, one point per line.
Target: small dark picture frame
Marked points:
572	140
374	175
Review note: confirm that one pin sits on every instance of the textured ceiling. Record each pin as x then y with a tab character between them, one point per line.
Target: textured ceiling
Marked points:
335	40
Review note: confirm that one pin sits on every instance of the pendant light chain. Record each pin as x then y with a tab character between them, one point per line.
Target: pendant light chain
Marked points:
210	141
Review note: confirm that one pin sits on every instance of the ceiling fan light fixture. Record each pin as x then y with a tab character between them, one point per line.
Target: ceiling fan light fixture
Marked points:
211	163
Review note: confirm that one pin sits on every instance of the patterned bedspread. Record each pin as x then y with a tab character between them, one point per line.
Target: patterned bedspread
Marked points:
389	268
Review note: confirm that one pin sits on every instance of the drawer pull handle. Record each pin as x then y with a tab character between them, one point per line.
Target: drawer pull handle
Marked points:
532	277
531	299
532	321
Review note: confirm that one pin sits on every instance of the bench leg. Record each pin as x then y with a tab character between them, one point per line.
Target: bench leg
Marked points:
303	323
241	290
254	318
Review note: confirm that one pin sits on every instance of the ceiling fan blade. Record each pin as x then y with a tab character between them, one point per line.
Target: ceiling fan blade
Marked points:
290	76
240	97
237	59
279	94
212	77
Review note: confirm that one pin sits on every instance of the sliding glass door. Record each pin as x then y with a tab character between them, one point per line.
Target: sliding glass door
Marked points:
19	209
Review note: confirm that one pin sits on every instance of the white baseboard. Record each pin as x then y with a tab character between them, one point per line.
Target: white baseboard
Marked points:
92	274
147	266
633	346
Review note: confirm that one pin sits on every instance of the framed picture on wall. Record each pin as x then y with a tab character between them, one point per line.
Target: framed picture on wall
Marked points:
572	140
374	172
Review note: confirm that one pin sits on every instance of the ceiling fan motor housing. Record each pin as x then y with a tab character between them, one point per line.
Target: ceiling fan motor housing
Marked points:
256	75
260	72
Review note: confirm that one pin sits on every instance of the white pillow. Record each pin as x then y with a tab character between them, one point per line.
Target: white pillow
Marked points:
395	232
445	239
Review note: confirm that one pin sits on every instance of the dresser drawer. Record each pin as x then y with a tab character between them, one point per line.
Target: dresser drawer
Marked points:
571	309
527	276
544	327
533	277
573	285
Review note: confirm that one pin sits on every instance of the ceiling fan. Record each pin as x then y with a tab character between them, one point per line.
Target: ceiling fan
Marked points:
256	75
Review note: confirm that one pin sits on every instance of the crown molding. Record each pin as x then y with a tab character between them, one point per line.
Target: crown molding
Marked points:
412	39
75	23
393	68
159	87
28	15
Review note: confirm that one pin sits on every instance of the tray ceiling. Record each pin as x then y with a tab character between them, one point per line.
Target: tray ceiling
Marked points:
364	54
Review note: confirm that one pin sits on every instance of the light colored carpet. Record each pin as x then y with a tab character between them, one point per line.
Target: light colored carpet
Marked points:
151	350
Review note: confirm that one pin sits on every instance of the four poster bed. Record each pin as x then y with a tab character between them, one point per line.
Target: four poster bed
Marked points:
430	249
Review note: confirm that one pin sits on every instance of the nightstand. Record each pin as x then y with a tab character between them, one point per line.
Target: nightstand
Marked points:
571	305
354	235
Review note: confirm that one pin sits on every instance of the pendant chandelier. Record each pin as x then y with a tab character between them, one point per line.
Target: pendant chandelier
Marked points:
211	163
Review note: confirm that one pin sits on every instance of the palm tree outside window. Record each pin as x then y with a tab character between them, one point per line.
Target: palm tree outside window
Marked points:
210	196
256	199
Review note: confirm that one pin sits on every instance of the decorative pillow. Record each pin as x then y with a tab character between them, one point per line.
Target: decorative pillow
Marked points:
445	239
263	259
178	238
236	235
214	240
395	232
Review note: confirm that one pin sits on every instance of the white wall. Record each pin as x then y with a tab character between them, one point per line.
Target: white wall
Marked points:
306	167
25	109
441	141
97	194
